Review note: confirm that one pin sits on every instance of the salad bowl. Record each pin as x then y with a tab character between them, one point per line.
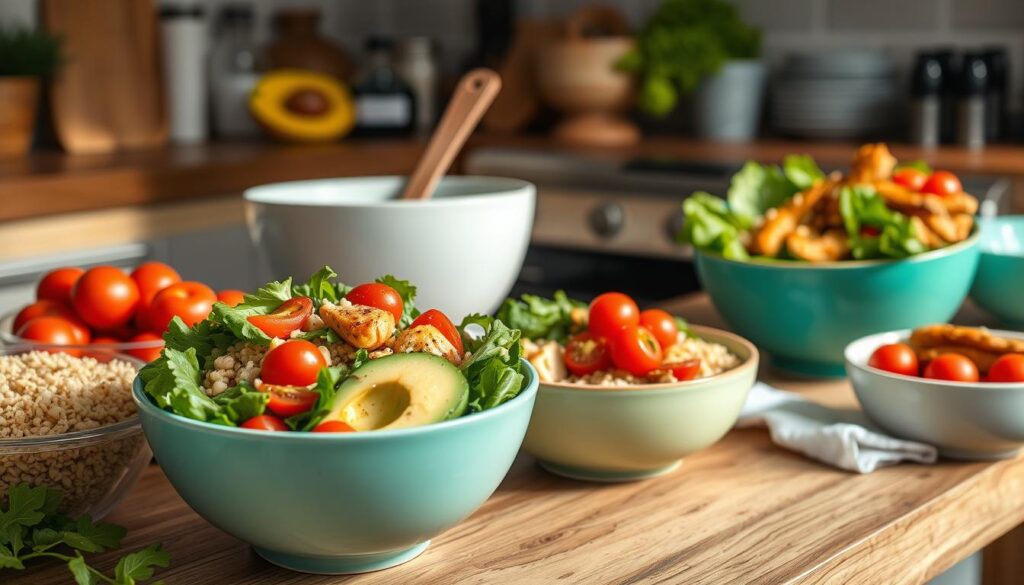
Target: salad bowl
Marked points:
964	420
338	503
473	231
804	314
626	433
1000	278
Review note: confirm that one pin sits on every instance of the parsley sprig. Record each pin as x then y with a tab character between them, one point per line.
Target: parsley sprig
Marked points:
32	528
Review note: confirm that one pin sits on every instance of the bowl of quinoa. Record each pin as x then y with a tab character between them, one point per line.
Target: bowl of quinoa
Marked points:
68	421
613	426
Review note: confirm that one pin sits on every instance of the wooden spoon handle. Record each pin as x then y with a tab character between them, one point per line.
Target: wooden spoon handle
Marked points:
474	94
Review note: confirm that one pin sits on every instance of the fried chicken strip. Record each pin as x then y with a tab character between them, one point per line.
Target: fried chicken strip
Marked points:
955	335
827	247
873	162
783	220
902	198
982	359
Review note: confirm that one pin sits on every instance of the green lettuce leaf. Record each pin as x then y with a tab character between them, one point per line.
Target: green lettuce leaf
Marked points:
174	382
493	366
320	287
801	171
240	403
757	188
918	165
862	207
264	301
540	318
709	224
204	337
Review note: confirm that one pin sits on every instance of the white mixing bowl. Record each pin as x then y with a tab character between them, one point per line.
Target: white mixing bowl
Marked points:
463	248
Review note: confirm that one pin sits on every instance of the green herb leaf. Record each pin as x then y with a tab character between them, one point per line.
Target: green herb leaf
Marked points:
919	165
140	565
8	560
492	368
240	403
266	300
174	382
319	287
709	224
204	337
537	317
24	507
81	572
860	207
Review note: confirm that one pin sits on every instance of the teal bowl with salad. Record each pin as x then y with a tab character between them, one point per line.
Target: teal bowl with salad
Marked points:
336	429
802	263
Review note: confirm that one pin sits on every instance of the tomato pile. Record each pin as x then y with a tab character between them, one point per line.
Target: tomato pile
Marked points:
900	358
103	305
620	335
941	183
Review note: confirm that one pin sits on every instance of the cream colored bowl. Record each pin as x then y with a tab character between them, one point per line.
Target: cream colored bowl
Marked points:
603	433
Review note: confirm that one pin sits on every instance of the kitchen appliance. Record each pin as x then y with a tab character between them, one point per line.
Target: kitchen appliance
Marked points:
607	222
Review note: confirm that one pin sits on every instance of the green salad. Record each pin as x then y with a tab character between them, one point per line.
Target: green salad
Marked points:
322	356
793	211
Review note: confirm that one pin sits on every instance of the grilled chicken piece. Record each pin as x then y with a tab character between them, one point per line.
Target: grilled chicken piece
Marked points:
547	359
873	162
427	339
827	247
784	219
359	325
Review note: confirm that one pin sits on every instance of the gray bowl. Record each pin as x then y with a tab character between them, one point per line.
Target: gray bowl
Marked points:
963	420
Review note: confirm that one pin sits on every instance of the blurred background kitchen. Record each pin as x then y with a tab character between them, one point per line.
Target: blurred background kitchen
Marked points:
129	128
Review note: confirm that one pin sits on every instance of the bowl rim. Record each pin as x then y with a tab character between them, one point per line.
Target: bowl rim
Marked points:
505	188
144	403
1000	220
902	336
773	263
10	339
128	426
751	362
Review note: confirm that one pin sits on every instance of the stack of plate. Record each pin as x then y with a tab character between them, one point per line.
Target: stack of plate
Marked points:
848	94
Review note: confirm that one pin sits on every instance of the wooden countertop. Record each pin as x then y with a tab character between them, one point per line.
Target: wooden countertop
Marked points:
741	511
47	183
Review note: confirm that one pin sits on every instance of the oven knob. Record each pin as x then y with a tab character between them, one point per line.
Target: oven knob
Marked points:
607	219
673	225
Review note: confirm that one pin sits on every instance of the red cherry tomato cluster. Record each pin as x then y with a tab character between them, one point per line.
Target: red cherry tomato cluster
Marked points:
900	358
620	335
104	305
941	183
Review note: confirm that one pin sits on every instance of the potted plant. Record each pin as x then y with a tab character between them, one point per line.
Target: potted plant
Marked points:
703	48
26	56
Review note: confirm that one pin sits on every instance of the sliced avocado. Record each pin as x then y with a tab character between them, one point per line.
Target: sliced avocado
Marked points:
400	391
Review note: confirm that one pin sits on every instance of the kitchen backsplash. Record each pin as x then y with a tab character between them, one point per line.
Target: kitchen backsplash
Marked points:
901	26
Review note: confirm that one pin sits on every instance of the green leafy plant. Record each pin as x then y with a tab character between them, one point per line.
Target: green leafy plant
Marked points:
32	528
26	52
683	42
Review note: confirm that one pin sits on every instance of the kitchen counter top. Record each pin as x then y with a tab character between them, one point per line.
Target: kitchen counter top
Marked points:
46	183
741	511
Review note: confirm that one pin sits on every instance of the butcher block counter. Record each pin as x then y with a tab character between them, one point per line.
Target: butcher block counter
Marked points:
742	511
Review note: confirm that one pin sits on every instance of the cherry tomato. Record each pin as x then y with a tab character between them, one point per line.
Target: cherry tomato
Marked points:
105	298
146	354
291	315
265	422
1008	368
381	296
151	278
953	367
636	350
610	312
443	324
231	297
293	363
942	183
51	330
286	401
43	308
189	300
57	284
898	358
684	370
910	178
333	426
586	353
870	231
661	325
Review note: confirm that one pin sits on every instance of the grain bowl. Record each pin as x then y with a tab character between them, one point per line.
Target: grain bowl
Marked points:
69	423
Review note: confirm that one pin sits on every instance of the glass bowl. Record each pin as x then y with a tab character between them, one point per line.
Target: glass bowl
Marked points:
92	468
8	338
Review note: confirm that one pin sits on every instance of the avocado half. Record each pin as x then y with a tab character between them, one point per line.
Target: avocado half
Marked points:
302	106
400	391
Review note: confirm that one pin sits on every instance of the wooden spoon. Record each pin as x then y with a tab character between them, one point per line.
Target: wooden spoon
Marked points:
474	94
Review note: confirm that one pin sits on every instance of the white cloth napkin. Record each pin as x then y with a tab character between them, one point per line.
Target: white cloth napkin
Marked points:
843	438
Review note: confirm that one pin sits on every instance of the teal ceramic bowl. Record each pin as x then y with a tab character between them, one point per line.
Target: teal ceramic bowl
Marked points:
338	504
999	284
805	314
616	433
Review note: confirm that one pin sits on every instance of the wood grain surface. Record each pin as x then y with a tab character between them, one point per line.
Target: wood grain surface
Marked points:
47	183
743	511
